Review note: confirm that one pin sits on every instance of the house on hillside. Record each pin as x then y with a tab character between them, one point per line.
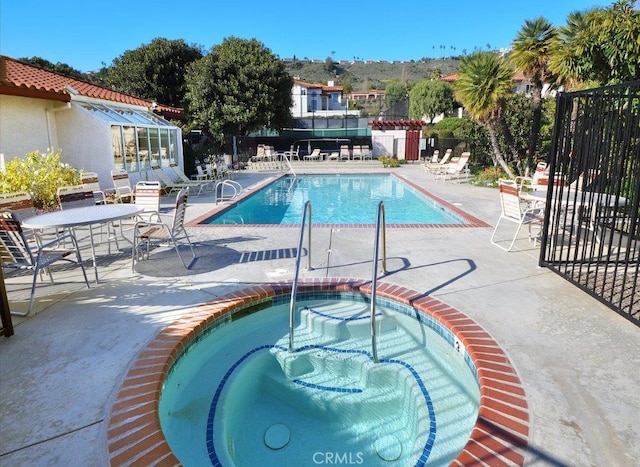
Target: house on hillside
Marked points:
97	129
366	95
318	100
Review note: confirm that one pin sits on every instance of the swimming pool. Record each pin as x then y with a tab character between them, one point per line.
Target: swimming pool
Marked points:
340	199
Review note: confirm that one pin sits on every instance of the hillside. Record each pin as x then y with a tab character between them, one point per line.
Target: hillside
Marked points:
375	73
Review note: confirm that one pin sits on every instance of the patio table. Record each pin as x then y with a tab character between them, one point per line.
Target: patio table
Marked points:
83	216
579	199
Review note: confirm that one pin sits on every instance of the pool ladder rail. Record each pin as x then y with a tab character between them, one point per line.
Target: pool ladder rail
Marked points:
380	228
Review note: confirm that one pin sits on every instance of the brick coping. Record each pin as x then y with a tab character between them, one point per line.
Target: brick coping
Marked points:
500	436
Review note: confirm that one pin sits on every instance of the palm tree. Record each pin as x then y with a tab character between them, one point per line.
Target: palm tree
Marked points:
485	81
531	52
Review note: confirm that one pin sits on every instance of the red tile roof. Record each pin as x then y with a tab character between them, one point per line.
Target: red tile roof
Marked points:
323	87
405	124
23	79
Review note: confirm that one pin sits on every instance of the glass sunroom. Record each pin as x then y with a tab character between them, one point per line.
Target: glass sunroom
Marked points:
140	139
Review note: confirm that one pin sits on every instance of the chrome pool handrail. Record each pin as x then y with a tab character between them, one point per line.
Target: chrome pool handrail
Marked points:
294	288
380	222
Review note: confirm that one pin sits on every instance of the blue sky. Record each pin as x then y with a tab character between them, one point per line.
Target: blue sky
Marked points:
88	35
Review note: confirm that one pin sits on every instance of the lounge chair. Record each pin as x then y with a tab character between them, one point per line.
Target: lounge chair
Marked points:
24	250
366	152
357	152
515	211
345	154
182	177
169	186
453	170
314	156
146	232
334	156
431	167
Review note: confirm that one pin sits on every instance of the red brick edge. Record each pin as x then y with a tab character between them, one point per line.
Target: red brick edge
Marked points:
499	437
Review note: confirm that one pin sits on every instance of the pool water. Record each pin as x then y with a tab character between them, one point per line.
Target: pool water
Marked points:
337	199
238	397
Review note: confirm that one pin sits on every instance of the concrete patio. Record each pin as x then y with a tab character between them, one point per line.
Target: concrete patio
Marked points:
575	357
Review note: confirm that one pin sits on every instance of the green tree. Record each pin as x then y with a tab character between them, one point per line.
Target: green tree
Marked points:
239	87
155	71
430	98
485	81
394	92
599	46
531	52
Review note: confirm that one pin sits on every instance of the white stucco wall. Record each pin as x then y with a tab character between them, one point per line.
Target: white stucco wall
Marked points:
85	141
25	127
388	142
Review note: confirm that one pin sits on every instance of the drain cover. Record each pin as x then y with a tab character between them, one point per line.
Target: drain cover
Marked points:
389	448
277	436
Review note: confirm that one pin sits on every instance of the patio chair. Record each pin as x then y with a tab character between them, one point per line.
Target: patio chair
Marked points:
314	156
431	167
90	182
77	196
453	170
514	210
146	232
356	153
182	177
366	152
122	186
25	250
345	154
169	186
20	202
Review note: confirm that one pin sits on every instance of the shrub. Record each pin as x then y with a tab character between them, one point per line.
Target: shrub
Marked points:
389	161
488	177
39	174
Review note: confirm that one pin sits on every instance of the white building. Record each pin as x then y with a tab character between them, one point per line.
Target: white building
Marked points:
318	100
97	129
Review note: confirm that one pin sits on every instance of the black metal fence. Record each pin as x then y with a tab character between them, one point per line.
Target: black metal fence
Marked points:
592	231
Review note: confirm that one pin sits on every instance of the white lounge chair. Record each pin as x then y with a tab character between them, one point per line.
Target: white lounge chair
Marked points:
453	170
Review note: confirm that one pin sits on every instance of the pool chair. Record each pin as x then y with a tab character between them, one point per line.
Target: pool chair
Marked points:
148	232
19	202
90	182
454	170
431	167
366	152
356	153
334	156
23	249
515	211
169	186
314	156
122	186
434	160
182	177
345	154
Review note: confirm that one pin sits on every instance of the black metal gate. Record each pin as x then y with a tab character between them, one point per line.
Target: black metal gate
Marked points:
592	231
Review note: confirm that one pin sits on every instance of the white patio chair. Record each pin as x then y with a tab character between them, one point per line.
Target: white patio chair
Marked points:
122	186
25	250
514	210
146	233
90	182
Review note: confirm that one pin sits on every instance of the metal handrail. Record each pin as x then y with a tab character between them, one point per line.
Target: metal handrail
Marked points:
294	289
374	279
